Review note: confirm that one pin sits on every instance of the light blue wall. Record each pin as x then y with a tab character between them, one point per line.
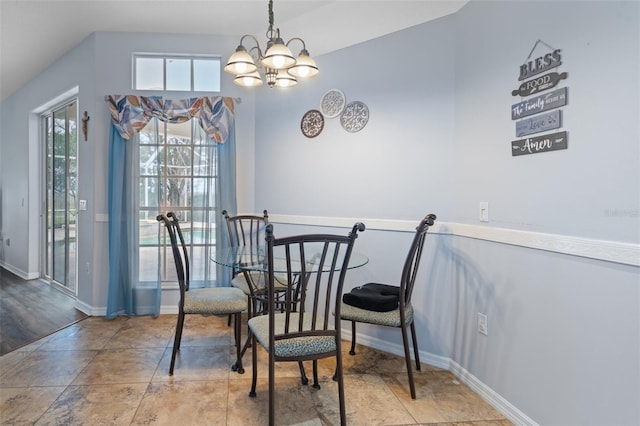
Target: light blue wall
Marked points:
99	66
399	166
564	341
590	190
564	331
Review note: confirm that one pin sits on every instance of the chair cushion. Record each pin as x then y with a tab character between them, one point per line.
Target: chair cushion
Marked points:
240	281
373	297
215	301
294	346
389	318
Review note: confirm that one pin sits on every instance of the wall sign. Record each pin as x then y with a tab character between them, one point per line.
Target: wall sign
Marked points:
534	107
547	81
541	103
539	123
540	64
535	145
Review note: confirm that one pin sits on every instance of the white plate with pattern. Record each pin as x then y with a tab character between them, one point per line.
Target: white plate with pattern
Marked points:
332	103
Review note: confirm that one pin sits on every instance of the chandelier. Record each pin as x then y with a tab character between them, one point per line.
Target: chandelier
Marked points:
277	63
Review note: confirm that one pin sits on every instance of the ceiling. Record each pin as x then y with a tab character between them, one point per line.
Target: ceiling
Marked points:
35	33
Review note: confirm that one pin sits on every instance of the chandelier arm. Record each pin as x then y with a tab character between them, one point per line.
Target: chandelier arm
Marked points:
256	47
304	46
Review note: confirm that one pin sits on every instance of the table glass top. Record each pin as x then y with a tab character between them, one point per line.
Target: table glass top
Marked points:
252	258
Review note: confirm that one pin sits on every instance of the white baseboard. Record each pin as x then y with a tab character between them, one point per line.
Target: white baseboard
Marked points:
19	272
396	349
489	395
90	310
498	402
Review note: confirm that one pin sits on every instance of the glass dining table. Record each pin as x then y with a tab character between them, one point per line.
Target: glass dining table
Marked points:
254	259
251	261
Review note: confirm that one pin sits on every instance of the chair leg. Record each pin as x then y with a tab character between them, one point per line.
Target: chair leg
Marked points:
407	357
272	388
340	379
176	341
303	375
415	346
316	384
254	365
353	338
238	337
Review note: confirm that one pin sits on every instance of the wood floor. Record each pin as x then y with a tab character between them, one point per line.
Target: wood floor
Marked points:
30	310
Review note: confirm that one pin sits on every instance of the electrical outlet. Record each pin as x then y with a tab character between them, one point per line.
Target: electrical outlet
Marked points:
484	211
483	325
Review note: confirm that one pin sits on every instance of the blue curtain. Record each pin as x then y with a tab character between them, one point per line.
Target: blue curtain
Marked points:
125	296
130	114
225	200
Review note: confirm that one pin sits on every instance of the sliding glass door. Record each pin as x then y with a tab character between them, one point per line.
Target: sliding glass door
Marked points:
60	167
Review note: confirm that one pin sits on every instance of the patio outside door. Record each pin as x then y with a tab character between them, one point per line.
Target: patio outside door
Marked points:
60	165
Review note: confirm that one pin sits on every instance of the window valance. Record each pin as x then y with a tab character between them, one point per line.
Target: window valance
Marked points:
130	113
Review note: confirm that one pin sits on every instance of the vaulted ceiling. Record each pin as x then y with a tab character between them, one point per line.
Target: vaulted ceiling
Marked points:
35	33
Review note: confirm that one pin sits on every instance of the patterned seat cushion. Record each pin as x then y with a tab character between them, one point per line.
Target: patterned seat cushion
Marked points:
240	281
215	301
390	318
292	347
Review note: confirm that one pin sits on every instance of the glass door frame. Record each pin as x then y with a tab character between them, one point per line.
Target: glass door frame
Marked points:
48	268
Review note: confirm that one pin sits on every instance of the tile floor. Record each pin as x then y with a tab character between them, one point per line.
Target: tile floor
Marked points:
100	372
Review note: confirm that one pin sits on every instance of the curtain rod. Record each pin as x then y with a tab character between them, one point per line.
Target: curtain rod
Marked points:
238	100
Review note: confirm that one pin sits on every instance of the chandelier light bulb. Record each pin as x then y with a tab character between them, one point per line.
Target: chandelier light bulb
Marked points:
248	80
240	62
284	79
305	66
278	56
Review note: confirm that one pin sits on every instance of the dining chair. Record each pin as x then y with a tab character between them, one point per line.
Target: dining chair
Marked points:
203	301
247	230
300	326
402	315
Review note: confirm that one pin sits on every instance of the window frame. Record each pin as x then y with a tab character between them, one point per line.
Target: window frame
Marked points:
178	56
162	143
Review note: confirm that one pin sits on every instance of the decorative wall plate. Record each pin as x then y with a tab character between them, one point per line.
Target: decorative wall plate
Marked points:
354	117
332	103
312	123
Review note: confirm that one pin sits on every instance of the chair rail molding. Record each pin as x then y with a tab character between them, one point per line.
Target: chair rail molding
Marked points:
610	251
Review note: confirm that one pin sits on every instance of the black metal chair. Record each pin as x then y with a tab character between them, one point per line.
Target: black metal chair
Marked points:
219	301
247	230
402	316
300	325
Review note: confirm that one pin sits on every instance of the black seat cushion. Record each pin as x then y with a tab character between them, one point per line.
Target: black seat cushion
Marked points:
373	297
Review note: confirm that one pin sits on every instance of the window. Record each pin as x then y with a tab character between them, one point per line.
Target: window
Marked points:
176	73
177	172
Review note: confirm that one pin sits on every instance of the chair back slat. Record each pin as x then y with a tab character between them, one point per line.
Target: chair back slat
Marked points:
246	230
412	262
179	250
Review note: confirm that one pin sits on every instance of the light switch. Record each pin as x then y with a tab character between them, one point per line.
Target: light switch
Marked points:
484	211
82	205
